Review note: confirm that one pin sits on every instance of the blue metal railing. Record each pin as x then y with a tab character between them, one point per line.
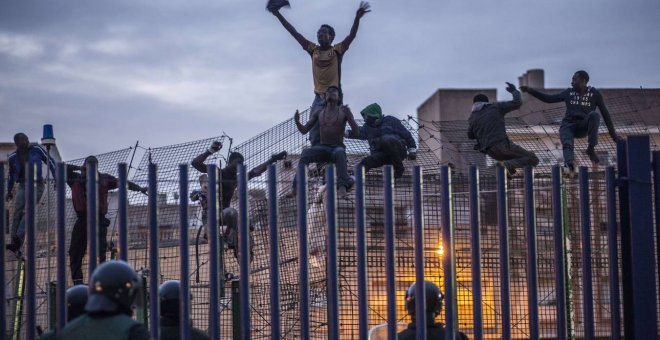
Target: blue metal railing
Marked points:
637	180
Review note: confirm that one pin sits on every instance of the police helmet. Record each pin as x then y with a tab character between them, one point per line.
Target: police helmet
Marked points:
76	298
434	299
168	292
113	288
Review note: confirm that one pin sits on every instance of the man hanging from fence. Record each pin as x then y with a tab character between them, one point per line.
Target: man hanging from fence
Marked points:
229	182
389	141
332	122
581	119
326	58
77	180
18	161
487	126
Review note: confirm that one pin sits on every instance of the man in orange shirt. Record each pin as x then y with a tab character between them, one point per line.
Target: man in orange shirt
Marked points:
326	58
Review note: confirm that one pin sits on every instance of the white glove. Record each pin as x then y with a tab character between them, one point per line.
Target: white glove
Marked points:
215	147
412	153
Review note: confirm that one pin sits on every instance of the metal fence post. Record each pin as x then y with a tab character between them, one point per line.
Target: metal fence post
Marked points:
502	219
418	225
532	270
3	311
154	301
560	268
92	216
333	285
641	236
122	213
214	250
61	241
656	190
476	252
275	320
361	241
303	256
390	252
587	286
184	255
30	267
626	260
244	245
448	261
613	254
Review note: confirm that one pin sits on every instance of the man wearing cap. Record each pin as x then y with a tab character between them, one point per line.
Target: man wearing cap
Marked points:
229	182
486	125
389	141
18	161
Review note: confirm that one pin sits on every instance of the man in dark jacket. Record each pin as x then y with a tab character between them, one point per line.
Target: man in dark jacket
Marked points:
581	119
488	128
18	161
389	141
229	182
77	180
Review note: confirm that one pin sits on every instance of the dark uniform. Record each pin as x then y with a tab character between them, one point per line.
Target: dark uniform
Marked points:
169	330
76	299
102	326
433	332
168	293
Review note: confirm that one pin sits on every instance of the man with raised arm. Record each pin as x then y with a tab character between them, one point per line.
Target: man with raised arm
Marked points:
487	126
581	119
77	180
229	182
332	122
326	58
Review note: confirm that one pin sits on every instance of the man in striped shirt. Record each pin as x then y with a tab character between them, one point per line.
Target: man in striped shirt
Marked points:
18	161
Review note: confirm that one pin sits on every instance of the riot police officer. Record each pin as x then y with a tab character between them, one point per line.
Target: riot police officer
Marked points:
434	297
112	291
76	298
168	293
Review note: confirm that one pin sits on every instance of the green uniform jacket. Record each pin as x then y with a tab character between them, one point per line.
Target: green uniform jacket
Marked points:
104	327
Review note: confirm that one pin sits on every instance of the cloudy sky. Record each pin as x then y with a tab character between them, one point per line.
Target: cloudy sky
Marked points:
108	73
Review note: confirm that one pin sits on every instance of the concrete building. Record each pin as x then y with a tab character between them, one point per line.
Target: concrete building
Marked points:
535	126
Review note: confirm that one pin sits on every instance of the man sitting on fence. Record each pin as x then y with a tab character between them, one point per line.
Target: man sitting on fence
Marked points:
488	128
77	180
434	297
332	122
228	184
389	141
581	119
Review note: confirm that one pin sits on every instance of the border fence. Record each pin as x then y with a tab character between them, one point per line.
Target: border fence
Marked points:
532	257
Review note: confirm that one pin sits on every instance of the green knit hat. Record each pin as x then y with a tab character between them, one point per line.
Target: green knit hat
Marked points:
372	110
